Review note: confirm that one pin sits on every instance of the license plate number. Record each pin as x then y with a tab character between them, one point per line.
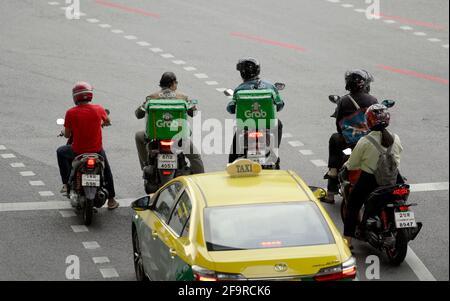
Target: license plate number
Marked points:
90	180
405	220
167	161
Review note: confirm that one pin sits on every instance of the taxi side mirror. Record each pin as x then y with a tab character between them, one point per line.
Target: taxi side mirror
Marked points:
141	204
318	192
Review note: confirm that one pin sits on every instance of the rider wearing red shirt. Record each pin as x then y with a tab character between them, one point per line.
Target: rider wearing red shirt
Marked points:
83	123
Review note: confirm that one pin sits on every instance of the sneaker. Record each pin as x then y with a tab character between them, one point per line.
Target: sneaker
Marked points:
329	199
64	189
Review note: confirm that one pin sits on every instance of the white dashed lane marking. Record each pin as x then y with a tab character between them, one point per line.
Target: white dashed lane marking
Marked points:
190	68
33	206
37	183
143	43
104	26
179	62
100	260
93	20
295	143
53	3
201	75
46	193
79	228
8	156
17	165
130	37
167	55
109	273
2	147
221	90
434	40
389	21
211	83
406	27
156	50
420	33
360	10
319	163
306	152
287	135
27	174
67	213
116	31
429	187
91	245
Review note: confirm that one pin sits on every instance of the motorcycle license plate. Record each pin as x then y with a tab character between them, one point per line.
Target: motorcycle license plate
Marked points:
405	220
167	161
90	180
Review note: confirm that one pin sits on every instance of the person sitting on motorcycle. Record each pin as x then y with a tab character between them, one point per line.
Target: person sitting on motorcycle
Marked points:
169	85
83	124
250	70
357	82
365	158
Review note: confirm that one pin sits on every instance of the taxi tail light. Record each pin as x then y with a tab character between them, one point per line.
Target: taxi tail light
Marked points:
202	274
345	271
166	145
90	163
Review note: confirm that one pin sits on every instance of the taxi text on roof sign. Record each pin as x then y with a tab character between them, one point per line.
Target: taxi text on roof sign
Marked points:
243	168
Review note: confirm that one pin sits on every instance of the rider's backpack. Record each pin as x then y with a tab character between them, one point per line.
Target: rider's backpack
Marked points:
386	171
354	126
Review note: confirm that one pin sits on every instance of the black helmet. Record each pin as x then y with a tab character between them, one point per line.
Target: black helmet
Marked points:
167	79
248	67
358	80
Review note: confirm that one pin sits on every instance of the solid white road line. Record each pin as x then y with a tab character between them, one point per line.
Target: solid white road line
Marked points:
100	260
79	228
27	174
91	245
190	68
109	273
295	143
418	267
67	213
319	163
8	156
429	187
17	165
33	206
2	147
37	183
46	193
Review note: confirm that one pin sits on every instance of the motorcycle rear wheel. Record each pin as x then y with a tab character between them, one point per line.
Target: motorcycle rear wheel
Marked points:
88	210
397	254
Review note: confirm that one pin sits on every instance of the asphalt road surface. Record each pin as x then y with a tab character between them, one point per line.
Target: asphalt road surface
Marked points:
123	47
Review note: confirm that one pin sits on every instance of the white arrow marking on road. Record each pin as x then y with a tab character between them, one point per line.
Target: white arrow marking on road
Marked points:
418	267
429	187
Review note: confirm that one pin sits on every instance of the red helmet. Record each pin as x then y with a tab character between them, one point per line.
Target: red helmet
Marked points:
82	91
378	117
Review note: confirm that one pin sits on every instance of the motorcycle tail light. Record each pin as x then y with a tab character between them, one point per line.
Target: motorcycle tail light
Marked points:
166	173
403	208
255	135
401	191
90	163
166	145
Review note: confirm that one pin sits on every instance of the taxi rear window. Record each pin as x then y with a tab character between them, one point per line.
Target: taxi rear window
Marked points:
265	226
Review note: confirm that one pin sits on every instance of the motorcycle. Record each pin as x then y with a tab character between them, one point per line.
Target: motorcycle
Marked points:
256	128
166	129
86	186
386	221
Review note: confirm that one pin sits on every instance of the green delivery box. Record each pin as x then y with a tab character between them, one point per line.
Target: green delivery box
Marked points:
166	118
255	108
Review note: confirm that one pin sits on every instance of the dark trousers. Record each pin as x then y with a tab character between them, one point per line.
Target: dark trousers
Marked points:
233	154
336	158
66	155
363	188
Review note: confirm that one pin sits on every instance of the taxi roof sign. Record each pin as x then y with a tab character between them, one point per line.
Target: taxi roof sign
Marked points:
243	168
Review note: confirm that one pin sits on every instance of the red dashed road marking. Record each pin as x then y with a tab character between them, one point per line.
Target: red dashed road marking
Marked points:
268	42
128	9
413	22
414	74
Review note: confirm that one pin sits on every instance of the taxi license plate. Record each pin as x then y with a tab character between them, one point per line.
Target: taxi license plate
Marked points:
90	180
167	161
405	220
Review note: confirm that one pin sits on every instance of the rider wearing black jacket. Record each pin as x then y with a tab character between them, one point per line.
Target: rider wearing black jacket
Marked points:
357	82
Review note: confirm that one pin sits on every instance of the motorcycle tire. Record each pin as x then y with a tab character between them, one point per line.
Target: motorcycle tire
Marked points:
397	255
88	210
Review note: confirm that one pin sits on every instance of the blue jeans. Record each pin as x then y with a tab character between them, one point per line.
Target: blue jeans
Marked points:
66	155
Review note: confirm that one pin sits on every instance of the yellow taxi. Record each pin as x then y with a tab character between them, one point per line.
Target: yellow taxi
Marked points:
240	224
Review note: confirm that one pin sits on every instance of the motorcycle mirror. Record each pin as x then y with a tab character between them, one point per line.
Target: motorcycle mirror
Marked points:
334	98
194	101
228	92
347	151
280	86
60	121
388	103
